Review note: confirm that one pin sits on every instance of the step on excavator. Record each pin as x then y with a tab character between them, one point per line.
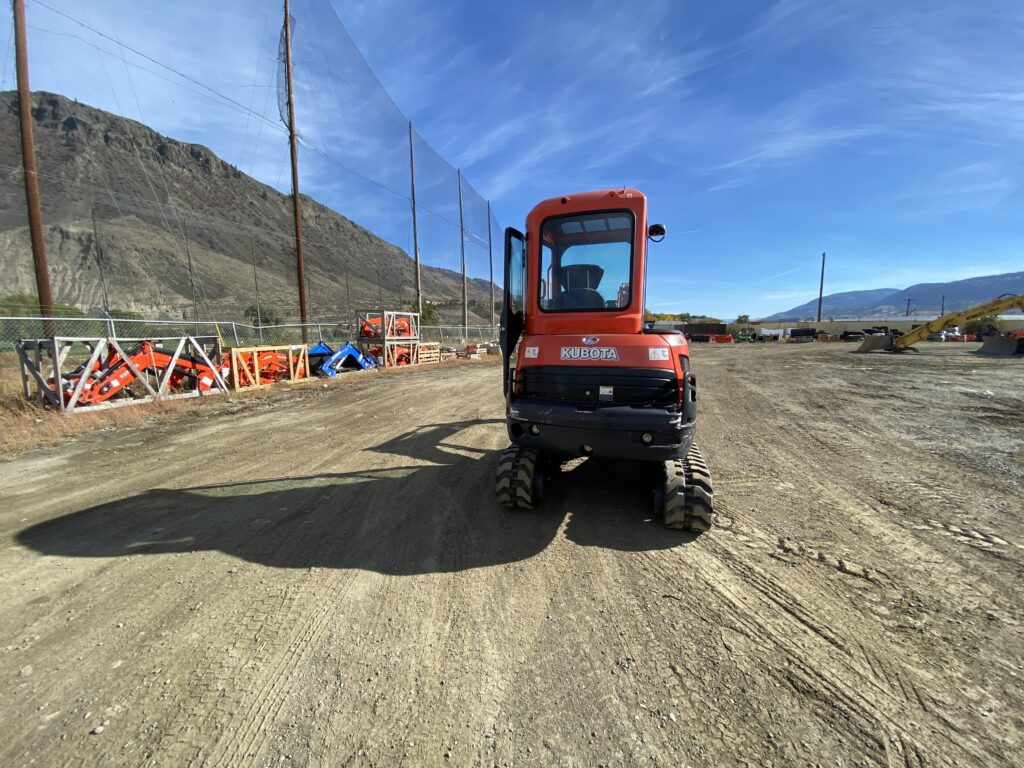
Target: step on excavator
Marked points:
589	379
992	344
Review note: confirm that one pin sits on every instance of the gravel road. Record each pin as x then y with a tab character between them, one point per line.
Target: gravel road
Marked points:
323	578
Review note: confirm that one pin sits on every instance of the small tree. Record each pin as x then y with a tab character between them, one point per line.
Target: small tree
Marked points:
124	314
263	316
27	305
429	315
743	320
983	324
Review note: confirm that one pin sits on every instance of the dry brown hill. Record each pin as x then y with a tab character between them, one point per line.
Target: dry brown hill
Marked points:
147	192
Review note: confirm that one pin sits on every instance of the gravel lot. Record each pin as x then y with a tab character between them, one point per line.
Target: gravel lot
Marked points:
323	578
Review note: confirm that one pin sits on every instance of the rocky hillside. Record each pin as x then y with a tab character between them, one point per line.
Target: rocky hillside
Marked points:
150	195
925	298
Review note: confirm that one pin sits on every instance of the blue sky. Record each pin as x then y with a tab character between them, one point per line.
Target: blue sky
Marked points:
888	134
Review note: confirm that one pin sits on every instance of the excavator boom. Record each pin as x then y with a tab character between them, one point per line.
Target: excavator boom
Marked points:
961	317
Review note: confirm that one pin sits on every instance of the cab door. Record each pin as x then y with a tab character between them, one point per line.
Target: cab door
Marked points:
513	310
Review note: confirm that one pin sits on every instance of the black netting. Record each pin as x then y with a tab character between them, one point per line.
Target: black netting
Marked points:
179	163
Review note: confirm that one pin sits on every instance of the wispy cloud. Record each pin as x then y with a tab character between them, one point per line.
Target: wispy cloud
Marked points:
971	187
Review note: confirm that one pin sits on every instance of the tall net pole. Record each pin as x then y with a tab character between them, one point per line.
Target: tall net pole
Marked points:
415	232
28	159
191	275
490	258
256	285
821	286
300	267
99	263
462	251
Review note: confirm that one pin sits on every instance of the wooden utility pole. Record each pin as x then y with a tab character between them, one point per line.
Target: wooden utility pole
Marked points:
462	251
907	313
943	310
28	160
415	233
821	285
300	267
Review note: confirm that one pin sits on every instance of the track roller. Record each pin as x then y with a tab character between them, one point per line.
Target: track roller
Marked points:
687	498
519	482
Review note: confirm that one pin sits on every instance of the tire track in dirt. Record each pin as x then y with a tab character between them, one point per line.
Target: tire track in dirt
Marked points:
778	449
776	618
368	604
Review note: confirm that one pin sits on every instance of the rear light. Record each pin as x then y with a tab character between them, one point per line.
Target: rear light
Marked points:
684	363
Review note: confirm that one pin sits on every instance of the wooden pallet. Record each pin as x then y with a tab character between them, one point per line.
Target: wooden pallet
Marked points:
430	352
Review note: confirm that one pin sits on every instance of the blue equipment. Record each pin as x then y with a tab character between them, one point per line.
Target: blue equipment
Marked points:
317	354
348	356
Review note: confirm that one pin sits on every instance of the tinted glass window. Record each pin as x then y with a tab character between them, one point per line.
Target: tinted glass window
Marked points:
516	269
586	262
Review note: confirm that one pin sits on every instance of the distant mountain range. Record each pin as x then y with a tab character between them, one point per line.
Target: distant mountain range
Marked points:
117	193
925	298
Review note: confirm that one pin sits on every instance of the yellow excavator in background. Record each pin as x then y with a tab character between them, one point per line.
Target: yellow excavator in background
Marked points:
993	345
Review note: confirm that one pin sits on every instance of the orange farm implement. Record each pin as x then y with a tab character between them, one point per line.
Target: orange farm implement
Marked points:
391	338
69	372
258	366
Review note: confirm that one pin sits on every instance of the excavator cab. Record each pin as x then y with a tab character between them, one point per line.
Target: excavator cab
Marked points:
581	373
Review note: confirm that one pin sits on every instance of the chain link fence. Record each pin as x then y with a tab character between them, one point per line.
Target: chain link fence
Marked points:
232	334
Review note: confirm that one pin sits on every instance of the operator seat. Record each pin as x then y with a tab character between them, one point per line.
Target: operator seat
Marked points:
579	287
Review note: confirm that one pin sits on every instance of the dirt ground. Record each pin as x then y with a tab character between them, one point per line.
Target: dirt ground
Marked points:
324	579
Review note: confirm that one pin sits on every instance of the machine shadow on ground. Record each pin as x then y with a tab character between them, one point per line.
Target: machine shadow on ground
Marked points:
399	520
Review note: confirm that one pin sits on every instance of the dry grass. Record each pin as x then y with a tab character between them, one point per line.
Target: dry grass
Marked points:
25	425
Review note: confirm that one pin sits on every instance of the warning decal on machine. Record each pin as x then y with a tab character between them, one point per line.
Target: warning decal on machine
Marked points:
590	353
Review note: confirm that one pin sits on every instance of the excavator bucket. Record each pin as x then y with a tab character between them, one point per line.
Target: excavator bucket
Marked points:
875	343
1001	346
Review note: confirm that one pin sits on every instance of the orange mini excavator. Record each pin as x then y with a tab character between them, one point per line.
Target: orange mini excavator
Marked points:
589	377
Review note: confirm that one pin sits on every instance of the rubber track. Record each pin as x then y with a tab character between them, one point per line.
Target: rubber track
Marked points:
514	479
689	496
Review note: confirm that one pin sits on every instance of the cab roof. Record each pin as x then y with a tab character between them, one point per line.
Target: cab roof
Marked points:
603	198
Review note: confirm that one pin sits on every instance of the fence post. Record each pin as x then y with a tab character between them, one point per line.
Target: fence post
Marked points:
234	332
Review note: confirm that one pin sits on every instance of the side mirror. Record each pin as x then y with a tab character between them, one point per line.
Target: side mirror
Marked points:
656	232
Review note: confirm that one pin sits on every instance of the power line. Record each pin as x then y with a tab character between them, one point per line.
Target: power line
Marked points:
255	78
262	117
7	56
212	98
139	53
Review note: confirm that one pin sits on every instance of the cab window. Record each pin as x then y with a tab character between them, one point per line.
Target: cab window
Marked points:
586	262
